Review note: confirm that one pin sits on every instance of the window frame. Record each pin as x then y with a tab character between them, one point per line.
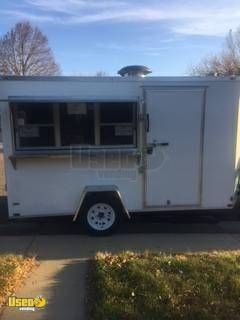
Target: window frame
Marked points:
57	129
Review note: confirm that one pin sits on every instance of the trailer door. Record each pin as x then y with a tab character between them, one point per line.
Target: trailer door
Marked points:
174	137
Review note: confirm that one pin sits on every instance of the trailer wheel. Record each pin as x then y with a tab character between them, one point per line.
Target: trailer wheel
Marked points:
101	215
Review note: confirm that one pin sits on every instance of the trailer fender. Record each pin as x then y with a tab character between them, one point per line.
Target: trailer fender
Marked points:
90	191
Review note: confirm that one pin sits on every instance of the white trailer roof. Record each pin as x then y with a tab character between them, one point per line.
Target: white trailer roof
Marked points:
119	79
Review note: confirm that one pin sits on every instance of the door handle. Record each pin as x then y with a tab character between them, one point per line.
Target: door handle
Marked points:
163	144
159	144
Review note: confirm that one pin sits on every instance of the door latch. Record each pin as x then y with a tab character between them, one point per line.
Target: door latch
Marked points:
155	144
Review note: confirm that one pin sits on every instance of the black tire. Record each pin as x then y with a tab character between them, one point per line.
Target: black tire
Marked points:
98	204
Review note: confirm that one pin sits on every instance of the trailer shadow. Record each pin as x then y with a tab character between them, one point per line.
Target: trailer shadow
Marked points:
149	223
60	239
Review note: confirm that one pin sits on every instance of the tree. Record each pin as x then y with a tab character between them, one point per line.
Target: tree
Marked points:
101	73
227	62
24	51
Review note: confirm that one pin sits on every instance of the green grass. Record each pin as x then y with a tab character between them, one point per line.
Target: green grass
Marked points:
13	270
153	286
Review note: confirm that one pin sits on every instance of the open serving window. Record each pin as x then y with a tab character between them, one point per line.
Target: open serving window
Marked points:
57	126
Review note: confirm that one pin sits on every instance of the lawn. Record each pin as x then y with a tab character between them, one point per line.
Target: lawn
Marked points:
13	270
153	286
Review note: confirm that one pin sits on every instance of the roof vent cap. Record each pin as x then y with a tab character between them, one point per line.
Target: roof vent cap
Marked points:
134	71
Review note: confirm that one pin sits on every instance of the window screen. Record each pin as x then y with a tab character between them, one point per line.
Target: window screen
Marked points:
77	124
114	135
117	123
34	125
115	112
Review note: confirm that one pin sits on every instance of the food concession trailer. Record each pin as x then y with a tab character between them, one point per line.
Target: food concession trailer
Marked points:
100	148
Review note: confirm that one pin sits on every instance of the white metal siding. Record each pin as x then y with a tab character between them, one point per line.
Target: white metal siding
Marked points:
51	186
219	144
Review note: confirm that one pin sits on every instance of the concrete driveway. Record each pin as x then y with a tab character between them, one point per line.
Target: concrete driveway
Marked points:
64	253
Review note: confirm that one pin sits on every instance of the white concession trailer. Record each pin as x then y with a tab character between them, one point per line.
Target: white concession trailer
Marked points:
99	148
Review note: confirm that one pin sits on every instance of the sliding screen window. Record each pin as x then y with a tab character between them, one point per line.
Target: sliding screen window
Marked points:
34	125
79	124
117	123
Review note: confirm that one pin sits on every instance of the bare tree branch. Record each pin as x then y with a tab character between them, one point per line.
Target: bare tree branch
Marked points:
227	62
24	50
101	73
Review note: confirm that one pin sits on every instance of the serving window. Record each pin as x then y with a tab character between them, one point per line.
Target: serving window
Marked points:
79	124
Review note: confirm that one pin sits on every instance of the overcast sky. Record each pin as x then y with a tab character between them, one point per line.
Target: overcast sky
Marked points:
90	35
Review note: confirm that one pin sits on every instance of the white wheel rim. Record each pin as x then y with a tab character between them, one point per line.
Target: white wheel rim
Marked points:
101	216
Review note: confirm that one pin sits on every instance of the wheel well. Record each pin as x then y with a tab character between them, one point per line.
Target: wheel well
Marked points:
91	195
